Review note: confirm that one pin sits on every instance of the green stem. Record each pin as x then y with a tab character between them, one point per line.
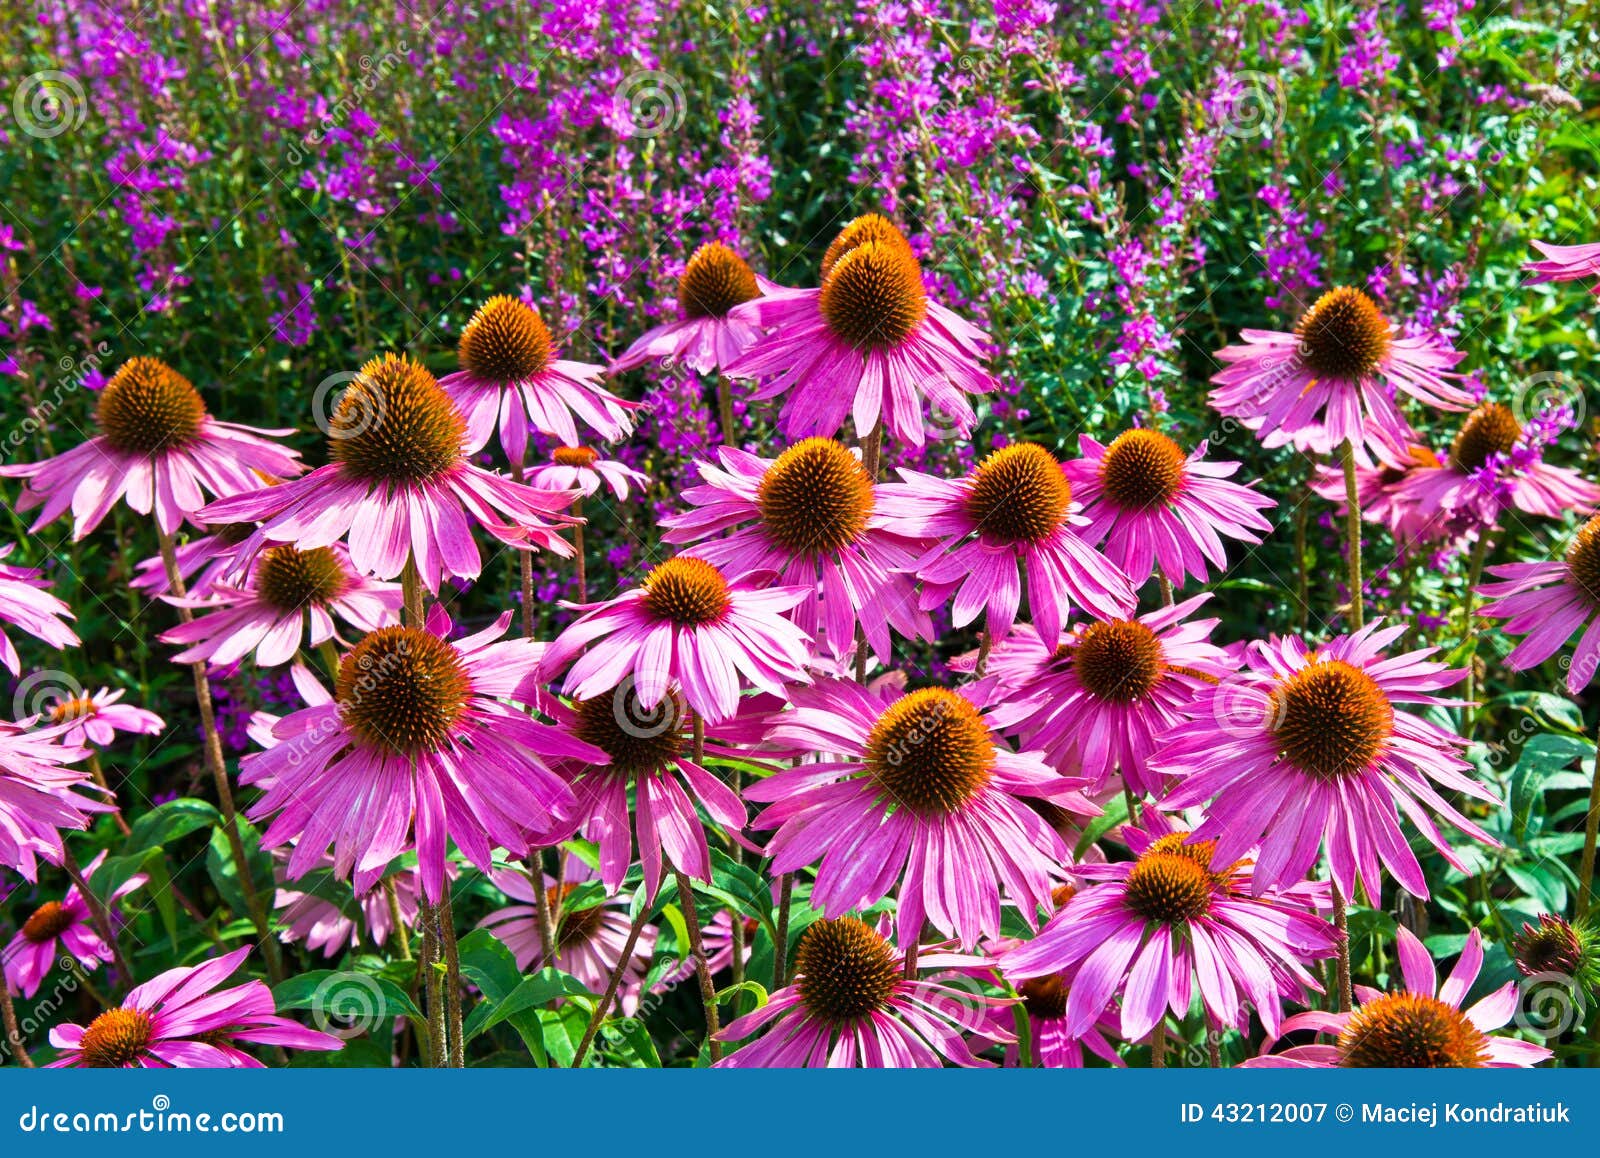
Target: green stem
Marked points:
1352	515
1342	924
1591	825
14	1042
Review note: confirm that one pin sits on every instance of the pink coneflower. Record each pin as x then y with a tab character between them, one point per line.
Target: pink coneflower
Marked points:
25	603
58	928
1378	491
1013	512
1177	919
913	789
1306	749
1102	699
509	370
851	1005
811	517
1492	464
685	624
175	1021
869	345
1152	505
324	927
1332	379
93	719
582	468
416	737
39	797
650	759
1421	1027
1565	263
399	486
589	940
287	588
708	335
1548	603
157	448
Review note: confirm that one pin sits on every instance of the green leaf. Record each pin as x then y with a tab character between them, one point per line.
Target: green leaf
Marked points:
540	989
490	966
224	874
167	822
114	872
629	1039
1545	754
363	1002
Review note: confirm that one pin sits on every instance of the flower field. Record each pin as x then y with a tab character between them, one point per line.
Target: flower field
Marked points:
644	534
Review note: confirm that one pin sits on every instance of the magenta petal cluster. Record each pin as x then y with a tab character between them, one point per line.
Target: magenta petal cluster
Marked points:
1175	921
39	796
1101	701
1566	263
811	517
158	449
1307	750
93	719
1150	505
60	928
25	603
1548	603
1450	1037
685	625
913	794
418	745
1010	523
181	1020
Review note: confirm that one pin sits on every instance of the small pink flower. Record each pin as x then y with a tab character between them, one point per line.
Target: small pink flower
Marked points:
581	468
1014	515
94	719
1152	505
58	928
158	449
39	797
509	369
707	336
686	625
176	1021
1379	493
286	589
1333	379
1420	1027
